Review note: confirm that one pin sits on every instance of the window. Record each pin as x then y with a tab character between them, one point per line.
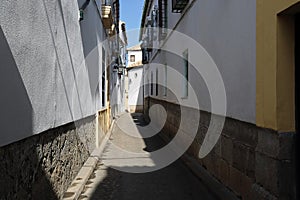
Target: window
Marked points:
179	5
165	81
103	78
132	58
185	85
156	88
151	86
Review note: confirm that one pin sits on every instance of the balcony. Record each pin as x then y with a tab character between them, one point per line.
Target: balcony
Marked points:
107	16
179	5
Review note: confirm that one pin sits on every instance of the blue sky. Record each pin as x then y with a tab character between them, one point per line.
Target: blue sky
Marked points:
131	14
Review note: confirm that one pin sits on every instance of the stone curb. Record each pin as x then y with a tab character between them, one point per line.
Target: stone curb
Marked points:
217	189
77	185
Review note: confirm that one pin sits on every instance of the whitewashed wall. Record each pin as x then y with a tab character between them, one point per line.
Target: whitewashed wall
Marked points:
227	30
135	88
45	81
138	57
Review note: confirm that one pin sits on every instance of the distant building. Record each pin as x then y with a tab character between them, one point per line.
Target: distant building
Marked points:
134	54
135	79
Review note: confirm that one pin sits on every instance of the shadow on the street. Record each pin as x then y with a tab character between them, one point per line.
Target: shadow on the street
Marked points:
172	182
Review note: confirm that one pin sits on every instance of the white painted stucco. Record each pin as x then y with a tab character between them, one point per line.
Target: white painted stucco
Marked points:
138	57
135	77
117	84
227	31
43	50
135	86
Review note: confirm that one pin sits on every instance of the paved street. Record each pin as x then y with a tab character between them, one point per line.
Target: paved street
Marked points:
173	182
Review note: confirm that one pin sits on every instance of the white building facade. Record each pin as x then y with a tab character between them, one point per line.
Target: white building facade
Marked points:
188	47
117	86
56	60
135	79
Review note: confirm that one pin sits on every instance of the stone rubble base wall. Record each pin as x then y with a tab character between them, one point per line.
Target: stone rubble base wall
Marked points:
43	166
255	163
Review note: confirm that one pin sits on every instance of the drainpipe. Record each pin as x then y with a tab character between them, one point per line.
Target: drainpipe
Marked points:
82	8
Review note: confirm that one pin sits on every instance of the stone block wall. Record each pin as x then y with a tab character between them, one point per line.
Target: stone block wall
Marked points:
43	166
253	162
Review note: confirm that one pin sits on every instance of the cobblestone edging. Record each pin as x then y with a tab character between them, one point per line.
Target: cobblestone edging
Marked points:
254	162
43	166
75	189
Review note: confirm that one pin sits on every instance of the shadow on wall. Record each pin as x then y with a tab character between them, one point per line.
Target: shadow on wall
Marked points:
15	105
90	31
41	166
21	173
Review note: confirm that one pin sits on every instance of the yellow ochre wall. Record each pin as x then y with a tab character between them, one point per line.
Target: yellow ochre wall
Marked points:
275	106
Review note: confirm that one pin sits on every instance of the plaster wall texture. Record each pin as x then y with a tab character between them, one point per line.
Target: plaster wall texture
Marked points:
135	91
227	31
45	80
95	46
138	57
117	97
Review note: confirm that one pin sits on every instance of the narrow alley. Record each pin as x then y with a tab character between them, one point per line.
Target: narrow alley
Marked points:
109	184
149	99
